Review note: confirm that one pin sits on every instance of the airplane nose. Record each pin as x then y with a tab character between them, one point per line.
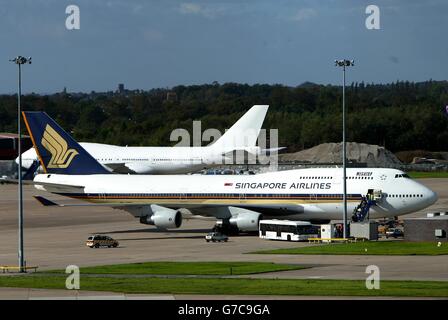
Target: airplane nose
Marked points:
431	196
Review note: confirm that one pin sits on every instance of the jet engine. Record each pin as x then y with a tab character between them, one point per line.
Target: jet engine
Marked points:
163	218
246	221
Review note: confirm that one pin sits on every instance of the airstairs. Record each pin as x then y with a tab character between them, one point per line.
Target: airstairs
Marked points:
362	209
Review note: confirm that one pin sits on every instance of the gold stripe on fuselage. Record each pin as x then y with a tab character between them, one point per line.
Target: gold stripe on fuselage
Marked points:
234	201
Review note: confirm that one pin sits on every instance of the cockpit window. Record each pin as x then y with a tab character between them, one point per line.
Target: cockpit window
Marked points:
402	175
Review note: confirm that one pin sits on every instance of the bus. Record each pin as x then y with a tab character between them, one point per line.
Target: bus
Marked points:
287	230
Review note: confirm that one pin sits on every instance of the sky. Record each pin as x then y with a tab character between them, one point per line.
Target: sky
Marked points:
164	43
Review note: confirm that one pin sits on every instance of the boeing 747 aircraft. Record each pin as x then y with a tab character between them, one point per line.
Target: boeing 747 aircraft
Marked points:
239	201
167	160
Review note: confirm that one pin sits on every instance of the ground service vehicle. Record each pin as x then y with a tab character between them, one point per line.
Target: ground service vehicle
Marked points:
287	230
394	232
216	236
97	241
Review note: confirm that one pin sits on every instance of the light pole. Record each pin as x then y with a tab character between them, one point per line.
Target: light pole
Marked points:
19	60
344	63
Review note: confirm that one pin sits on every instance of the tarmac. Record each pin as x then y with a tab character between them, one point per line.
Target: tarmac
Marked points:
55	238
59	294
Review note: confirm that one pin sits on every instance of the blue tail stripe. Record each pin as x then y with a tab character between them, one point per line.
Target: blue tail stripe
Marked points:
58	152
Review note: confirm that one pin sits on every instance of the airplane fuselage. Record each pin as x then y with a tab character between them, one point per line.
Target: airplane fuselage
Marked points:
303	194
145	160
166	160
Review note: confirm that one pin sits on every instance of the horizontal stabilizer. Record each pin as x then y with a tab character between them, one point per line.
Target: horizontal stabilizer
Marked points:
272	150
29	174
45	202
45	184
56	187
257	150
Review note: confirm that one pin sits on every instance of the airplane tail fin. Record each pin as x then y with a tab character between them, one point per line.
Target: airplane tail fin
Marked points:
244	133
58	152
29	174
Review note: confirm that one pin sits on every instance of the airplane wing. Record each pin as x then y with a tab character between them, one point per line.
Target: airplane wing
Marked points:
120	168
212	210
47	202
244	216
52	203
128	207
200	210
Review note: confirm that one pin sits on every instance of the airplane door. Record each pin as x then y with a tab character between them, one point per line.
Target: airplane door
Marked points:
242	197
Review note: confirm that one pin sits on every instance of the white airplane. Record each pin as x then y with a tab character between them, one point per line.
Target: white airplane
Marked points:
239	201
167	160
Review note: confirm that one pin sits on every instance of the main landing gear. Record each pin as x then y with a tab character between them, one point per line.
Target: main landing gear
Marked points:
226	228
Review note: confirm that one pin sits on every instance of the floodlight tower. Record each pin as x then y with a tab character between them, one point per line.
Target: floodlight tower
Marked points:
344	63
19	60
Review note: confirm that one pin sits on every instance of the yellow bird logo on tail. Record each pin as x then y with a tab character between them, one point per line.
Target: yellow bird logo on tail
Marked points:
61	156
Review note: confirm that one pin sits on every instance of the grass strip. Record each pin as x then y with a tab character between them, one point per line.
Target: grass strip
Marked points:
367	248
188	268
423	175
217	286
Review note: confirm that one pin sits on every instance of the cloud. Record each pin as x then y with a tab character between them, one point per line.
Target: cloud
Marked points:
198	9
190	8
304	14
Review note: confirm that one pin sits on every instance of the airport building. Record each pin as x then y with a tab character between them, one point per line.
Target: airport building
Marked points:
9	143
426	229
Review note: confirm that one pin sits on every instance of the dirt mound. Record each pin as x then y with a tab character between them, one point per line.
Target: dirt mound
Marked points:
372	155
